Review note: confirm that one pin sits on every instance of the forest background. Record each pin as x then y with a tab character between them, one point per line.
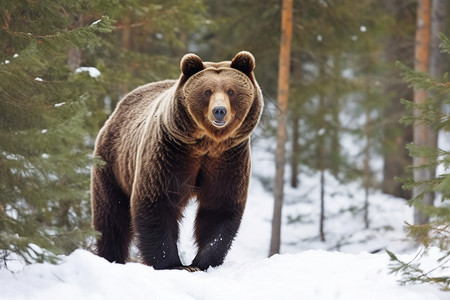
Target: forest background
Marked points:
64	65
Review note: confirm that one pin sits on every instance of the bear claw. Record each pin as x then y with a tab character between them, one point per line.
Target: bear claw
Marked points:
190	269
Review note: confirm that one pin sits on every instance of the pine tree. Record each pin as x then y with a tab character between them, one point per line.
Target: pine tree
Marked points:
44	160
437	231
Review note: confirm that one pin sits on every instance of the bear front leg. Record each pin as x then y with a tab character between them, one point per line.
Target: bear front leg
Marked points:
215	231
156	225
223	185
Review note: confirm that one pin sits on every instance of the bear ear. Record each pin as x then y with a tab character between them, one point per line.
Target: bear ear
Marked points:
244	62
191	64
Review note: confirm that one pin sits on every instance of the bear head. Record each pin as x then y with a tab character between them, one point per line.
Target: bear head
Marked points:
222	98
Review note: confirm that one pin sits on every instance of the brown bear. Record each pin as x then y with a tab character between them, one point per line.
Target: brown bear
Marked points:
170	141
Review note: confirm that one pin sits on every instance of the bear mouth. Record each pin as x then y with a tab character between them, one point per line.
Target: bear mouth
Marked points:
219	123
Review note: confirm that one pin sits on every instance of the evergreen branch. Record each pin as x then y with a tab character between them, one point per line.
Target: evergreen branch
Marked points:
65	38
445	45
412	273
420	80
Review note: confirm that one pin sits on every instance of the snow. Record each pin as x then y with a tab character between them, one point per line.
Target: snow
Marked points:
312	274
93	72
342	267
95	22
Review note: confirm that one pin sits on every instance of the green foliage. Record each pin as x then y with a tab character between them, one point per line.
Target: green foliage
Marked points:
436	232
44	160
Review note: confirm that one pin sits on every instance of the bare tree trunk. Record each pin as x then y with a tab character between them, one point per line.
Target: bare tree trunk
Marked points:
295	116
295	149
283	94
399	47
437	59
366	168
322	205
422	132
430	23
321	154
438	24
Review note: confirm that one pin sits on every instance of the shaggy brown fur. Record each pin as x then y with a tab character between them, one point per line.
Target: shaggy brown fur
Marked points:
167	142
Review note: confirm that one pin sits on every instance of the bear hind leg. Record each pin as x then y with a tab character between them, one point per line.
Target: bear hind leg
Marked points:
111	217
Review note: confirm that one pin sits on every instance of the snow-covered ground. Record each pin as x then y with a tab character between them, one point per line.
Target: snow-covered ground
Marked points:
312	274
339	268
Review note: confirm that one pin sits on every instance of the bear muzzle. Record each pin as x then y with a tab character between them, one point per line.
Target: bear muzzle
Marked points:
219	113
219	109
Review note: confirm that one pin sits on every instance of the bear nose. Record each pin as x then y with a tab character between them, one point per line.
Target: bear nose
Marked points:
219	112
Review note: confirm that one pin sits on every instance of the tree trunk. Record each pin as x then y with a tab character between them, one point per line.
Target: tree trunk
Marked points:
295	149
295	112
283	93
422	132
438	61
399	47
366	168
322	164
438	25
322	205
432	14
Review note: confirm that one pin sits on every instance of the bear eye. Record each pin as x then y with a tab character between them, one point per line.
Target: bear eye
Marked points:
230	92
208	93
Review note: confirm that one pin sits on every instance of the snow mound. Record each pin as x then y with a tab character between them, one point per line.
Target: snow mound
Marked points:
313	274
